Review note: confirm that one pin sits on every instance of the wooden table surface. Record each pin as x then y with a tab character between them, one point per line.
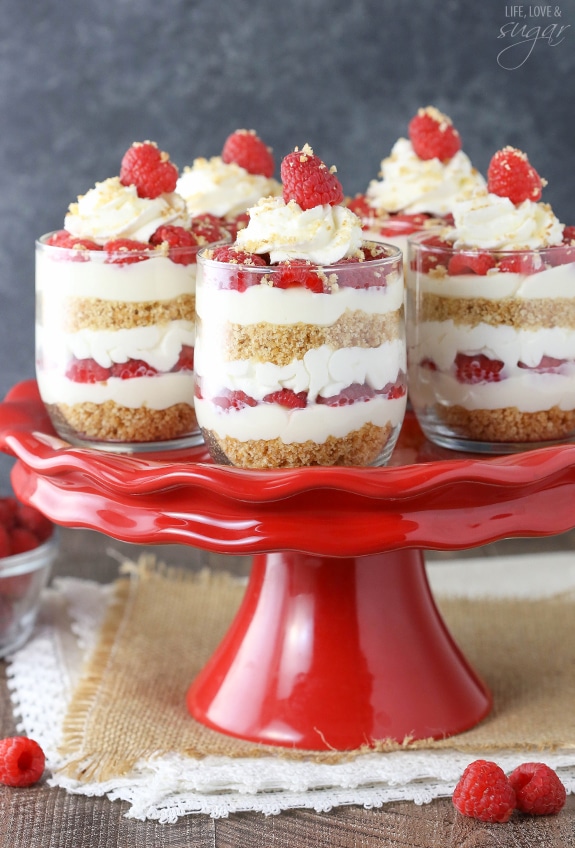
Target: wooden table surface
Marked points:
42	817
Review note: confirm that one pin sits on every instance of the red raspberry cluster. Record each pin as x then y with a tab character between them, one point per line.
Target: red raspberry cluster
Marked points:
246	149
308	181
510	174
485	792
22	527
433	135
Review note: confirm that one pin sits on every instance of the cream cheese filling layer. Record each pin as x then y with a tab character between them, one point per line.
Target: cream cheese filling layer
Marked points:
557	282
322	371
158	392
153	279
315	423
267	304
157	344
441	341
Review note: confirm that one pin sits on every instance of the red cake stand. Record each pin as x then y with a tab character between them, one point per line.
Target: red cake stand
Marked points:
338	642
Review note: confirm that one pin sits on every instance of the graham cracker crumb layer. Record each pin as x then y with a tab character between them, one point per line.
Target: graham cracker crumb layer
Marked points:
110	422
95	314
508	424
281	344
360	447
512	312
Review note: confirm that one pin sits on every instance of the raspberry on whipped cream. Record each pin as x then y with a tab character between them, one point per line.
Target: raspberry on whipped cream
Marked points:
115	330
491	321
300	353
227	187
416	189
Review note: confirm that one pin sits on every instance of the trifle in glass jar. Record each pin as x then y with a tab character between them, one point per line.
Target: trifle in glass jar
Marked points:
491	319
300	356
115	325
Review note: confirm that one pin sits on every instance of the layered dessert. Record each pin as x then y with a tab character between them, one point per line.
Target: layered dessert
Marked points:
115	329
224	187
419	181
491	318
300	356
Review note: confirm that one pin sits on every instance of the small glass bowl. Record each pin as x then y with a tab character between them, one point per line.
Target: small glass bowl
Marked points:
22	578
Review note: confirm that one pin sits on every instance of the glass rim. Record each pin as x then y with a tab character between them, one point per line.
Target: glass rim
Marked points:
147	252
416	243
392	254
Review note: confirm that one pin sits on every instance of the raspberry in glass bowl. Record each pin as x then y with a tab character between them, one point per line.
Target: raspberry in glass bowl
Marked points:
28	547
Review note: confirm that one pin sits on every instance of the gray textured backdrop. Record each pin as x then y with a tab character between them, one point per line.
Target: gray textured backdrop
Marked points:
81	80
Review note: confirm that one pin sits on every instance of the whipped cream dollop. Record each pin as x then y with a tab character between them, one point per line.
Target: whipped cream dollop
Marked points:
222	189
111	210
323	234
494	223
412	185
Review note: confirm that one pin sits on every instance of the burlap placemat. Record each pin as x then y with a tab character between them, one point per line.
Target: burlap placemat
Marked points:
165	623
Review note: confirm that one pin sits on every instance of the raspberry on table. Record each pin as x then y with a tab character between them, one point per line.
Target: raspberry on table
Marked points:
484	793
246	149
149	169
538	789
22	761
510	174
308	181
433	135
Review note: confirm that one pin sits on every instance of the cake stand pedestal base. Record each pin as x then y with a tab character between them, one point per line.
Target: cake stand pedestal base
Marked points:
328	653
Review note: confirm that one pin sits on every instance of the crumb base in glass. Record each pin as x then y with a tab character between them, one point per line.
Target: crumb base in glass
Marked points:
92	432
473	431
369	446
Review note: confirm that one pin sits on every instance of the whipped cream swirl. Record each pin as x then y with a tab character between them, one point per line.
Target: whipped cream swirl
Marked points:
111	210
412	185
222	189
323	234
494	223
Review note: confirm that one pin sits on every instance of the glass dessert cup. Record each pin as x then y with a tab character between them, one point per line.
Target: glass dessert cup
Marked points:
310	372
22	578
491	346
397	228
115	336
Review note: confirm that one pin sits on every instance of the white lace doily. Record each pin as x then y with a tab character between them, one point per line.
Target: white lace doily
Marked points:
43	673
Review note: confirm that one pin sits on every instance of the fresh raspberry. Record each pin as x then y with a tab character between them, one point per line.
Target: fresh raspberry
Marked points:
352	394
124	251
8	511
299	272
209	228
242	279
511	175
233	400
522	263
132	368
5	546
360	206
470	263
86	371
22	539
288	398
433	136
181	242
22	761
149	169
477	368
538	790
435	254
484	793
246	149
185	360
62	238
308	181
393	391
569	235
33	520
